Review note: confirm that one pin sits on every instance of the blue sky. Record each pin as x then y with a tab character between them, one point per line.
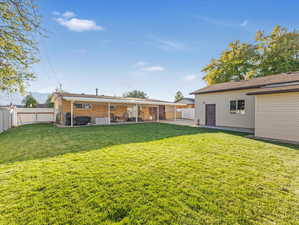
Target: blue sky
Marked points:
155	46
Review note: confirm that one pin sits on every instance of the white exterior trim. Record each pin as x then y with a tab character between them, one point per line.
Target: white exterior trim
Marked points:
128	101
136	111
109	120
72	113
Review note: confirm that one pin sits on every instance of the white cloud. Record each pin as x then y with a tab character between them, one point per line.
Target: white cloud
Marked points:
55	13
221	22
170	45
140	64
68	14
147	67
214	21
153	68
79	25
244	23
190	77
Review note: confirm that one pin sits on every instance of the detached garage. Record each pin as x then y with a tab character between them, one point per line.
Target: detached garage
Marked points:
267	106
277	112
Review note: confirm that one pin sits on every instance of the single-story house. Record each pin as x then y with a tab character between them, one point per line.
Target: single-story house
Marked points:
188	103
268	106
100	109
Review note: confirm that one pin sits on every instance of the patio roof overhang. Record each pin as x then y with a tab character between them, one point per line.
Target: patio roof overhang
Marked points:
124	101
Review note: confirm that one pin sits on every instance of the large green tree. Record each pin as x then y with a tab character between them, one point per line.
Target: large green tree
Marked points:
49	102
178	96
30	101
19	30
135	94
272	53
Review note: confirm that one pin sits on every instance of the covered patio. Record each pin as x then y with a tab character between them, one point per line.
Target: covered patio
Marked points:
104	110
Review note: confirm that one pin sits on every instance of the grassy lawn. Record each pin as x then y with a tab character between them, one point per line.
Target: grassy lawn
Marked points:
145	174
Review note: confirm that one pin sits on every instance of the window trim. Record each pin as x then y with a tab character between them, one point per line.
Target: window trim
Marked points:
237	110
83	106
241	111
113	107
233	111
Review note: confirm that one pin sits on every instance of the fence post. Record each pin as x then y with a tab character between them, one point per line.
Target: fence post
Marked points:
1	121
4	119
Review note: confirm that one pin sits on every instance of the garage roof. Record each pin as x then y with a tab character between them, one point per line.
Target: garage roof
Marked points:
279	89
248	84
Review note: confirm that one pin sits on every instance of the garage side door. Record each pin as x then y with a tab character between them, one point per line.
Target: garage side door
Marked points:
210	114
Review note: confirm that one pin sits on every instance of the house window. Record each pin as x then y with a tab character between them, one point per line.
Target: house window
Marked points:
233	107
113	107
237	106
82	106
241	106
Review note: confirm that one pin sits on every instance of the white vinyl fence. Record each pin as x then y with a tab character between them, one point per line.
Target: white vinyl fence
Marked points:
187	113
33	115
5	119
13	117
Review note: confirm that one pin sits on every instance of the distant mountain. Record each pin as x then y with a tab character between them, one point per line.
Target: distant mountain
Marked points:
16	98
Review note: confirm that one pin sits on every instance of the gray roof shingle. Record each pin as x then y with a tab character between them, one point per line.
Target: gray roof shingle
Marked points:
248	84
280	89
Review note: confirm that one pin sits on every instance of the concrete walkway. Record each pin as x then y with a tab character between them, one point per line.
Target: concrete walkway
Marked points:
191	123
182	122
242	130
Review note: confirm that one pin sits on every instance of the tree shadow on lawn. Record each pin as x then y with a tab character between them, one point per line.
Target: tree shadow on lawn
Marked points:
39	141
279	143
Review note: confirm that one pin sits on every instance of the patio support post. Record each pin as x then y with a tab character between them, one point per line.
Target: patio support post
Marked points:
174	113
109	120
136	113
72	113
158	113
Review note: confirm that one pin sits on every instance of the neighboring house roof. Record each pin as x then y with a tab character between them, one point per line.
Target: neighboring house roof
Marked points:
280	89
187	101
111	99
248	84
42	106
37	106
20	106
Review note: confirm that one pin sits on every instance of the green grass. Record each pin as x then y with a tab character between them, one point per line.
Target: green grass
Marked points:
145	174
